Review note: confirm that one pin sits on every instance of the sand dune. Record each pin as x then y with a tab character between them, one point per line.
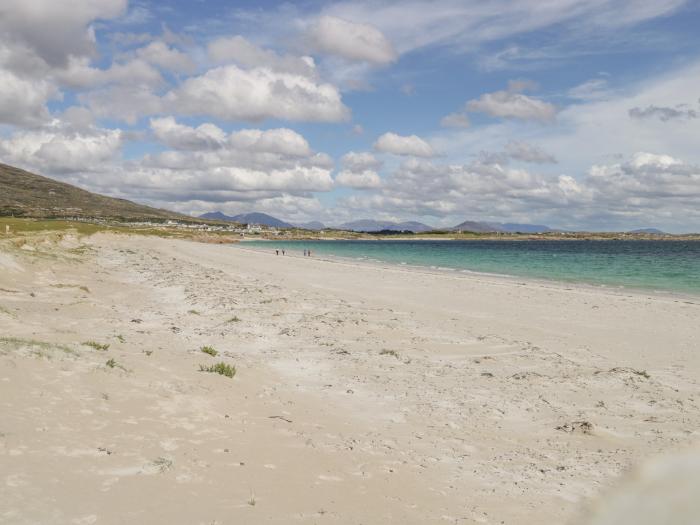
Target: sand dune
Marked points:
362	394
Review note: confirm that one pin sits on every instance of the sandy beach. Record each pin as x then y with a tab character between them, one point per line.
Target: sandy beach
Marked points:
363	394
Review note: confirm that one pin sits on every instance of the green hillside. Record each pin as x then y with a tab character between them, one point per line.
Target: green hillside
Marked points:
25	194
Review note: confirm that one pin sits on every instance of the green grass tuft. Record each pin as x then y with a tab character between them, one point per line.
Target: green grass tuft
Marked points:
163	464
111	363
96	345
219	368
209	350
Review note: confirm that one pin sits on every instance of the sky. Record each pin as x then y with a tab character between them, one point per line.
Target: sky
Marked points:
577	114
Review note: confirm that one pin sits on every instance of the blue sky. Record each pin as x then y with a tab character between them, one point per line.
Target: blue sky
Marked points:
577	114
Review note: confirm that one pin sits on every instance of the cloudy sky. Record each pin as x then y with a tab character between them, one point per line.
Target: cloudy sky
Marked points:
581	114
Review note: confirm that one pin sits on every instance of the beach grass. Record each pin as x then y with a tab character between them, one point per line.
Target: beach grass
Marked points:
209	350
39	348
219	368
95	345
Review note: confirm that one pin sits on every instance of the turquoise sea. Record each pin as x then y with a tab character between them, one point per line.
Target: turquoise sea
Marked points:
672	266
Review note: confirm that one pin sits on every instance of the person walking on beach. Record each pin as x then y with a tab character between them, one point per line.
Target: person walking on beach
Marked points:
277	252
282	252
304	253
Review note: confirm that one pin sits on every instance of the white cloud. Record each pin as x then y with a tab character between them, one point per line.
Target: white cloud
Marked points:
23	102
80	74
55	31
351	40
594	89
646	189
123	102
359	180
282	141
208	164
359	171
511	104
294	209
647	181
59	149
207	136
166	57
232	93
682	111
180	137
466	24
596	131
403	145
360	161
455	120
487	192
241	51
526	152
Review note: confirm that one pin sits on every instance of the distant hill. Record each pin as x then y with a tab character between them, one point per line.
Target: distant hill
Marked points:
313	225
370	225
649	231
26	194
262	219
476	227
216	216
506	227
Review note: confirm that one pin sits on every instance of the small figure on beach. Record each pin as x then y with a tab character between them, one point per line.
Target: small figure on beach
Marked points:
277	252
304	253
282	252
308	252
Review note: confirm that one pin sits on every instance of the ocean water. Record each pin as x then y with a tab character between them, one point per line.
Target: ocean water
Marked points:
651	265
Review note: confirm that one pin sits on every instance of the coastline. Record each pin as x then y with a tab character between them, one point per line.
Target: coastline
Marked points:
504	278
362	393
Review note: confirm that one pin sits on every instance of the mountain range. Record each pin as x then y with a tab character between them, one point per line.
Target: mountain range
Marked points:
648	231
372	225
248	218
505	227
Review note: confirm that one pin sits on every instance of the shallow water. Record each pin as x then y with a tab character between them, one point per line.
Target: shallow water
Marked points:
657	265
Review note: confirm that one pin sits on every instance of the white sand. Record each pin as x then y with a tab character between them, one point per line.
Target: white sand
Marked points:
363	394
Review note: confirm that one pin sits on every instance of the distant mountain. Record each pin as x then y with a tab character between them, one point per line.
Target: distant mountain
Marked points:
416	227
26	194
370	225
650	231
313	225
262	219
505	227
216	216
476	227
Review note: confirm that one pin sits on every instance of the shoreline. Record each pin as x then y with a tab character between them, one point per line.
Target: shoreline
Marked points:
582	237
506	279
